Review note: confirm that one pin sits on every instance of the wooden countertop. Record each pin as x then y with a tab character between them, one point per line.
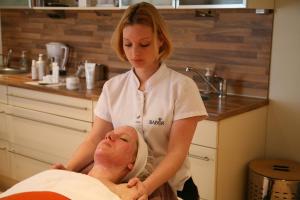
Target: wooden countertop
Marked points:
217	108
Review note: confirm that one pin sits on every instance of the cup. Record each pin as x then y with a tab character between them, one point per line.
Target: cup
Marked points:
72	83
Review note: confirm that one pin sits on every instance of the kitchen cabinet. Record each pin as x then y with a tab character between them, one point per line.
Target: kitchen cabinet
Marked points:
3	106
212	4
158	3
15	4
221	150
4	144
101	5
43	129
4	158
3	102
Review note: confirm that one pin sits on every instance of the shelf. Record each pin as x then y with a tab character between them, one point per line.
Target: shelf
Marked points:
78	8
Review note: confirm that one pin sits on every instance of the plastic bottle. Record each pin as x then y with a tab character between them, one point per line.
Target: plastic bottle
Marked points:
55	72
41	65
34	70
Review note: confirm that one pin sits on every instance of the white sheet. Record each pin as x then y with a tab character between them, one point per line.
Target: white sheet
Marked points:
73	185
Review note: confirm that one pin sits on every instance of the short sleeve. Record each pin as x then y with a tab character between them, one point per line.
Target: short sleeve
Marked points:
188	102
102	109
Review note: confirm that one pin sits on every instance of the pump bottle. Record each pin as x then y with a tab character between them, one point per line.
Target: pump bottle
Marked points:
41	65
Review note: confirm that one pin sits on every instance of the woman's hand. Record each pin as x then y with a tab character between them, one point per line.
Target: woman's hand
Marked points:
142	193
58	166
125	193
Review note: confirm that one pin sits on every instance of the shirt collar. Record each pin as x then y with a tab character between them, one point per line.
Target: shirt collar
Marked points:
154	79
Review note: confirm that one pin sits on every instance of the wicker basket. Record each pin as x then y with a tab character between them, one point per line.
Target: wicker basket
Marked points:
274	180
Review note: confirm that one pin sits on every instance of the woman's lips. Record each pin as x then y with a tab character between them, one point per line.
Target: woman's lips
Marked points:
107	143
137	60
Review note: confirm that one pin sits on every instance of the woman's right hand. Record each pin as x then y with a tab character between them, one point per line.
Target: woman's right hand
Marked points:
58	166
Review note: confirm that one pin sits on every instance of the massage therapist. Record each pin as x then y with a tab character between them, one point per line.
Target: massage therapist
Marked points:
163	103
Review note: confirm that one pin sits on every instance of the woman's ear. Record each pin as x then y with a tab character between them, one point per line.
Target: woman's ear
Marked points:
130	166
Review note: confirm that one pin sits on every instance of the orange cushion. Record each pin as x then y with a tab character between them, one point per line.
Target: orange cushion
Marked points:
40	195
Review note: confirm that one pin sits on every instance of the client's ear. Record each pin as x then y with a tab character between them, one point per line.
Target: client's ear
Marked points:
130	166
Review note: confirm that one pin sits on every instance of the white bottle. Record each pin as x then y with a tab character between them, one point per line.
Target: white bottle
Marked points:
41	65
34	70
55	73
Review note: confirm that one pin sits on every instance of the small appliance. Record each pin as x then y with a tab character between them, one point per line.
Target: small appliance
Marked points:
59	52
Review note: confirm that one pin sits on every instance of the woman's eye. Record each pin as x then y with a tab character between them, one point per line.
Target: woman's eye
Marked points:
145	45
124	139
127	45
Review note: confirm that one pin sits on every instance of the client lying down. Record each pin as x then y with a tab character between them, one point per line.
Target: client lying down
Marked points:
120	156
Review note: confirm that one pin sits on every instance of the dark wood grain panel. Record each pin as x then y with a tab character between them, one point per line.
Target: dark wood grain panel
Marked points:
235	42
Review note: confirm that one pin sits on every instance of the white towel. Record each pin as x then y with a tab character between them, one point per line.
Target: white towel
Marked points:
73	185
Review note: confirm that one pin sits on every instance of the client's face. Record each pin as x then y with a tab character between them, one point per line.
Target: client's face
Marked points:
119	147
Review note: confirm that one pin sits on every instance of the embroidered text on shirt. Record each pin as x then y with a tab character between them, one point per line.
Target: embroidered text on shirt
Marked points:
157	122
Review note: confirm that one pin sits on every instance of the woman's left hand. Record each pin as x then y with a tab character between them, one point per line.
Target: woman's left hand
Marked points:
124	192
140	186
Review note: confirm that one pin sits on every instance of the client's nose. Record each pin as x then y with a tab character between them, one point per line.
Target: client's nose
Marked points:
111	137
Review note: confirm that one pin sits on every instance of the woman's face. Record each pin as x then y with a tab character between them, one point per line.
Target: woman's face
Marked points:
118	147
139	48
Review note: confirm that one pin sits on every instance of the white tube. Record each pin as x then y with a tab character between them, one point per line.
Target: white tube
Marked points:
89	75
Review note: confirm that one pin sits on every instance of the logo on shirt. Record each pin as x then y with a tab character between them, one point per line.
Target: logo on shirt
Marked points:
157	122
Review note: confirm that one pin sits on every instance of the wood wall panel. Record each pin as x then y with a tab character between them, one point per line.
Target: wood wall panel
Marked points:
235	42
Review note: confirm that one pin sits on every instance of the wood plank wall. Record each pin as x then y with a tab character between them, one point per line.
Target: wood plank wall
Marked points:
235	42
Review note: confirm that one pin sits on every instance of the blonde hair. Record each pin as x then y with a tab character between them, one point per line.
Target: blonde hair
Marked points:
144	14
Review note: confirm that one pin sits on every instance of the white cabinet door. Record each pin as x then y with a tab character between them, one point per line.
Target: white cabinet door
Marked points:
157	3
23	167
209	4
3	123
206	134
3	96
71	107
15	3
4	158
203	166
45	137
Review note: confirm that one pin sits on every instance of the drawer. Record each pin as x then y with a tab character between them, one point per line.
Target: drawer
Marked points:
71	107
23	167
55	136
3	91
3	123
203	166
4	158
206	134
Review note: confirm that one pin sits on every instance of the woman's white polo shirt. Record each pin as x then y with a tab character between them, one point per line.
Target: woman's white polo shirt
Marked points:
168	96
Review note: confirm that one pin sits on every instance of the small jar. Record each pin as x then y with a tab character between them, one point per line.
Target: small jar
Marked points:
72	83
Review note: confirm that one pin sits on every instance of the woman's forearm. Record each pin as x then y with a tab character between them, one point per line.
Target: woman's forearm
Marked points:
181	135
164	171
82	157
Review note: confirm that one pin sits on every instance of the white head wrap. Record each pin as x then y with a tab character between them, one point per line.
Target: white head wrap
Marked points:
141	157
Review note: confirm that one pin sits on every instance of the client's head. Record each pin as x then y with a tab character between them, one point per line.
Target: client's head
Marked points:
123	148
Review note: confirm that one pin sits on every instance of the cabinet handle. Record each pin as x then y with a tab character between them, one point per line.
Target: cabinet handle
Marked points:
50	102
205	158
49	123
3	148
30	157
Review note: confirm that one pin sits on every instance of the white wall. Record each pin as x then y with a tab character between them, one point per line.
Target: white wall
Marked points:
283	139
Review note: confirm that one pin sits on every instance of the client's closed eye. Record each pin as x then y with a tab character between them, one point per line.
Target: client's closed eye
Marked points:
124	139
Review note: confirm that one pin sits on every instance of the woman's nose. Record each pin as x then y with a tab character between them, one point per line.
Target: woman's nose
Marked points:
111	137
136	51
